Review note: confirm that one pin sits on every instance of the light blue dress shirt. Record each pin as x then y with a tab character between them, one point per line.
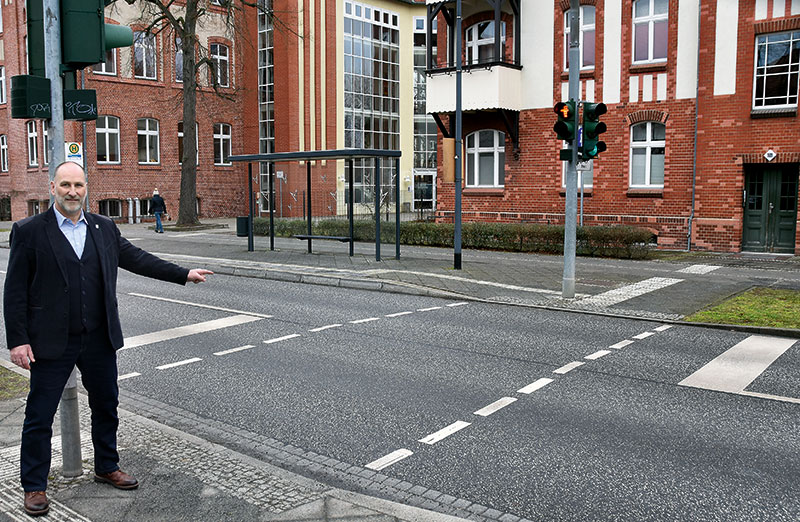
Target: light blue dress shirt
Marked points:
74	232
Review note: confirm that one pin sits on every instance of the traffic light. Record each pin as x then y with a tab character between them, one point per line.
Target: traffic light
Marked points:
592	128
85	37
565	126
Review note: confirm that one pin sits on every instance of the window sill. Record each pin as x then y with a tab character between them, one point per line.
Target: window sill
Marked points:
223	165
484	191
150	165
115	166
586	74
587	192
648	67
645	193
761	113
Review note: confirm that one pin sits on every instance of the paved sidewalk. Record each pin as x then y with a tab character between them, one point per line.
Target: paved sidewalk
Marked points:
197	477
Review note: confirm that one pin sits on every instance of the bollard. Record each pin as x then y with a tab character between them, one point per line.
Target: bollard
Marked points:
71	429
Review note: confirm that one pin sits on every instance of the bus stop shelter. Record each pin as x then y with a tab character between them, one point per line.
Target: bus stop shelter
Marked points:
349	155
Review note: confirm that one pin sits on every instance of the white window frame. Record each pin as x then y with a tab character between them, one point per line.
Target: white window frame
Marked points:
584	28
144	49
3	153
762	72
196	142
106	133
178	53
1	19
2	83
474	151
150	133
222	143
46	141
33	144
650	19
107	67
648	144
219	60
474	44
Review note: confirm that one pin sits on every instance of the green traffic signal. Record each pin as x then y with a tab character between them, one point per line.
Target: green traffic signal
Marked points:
565	126
591	145
85	37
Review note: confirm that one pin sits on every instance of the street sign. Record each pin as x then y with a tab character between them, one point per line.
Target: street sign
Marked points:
74	152
583	165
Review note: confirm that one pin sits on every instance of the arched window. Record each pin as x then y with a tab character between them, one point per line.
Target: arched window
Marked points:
648	140
486	158
480	42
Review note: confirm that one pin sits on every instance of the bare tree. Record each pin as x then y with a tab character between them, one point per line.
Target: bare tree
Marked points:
183	20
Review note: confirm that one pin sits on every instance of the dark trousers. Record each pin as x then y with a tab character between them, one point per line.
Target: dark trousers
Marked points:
97	361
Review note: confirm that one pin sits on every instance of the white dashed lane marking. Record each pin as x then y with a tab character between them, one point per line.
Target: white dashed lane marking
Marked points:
429	309
495	406
326	327
128	376
663	327
621	344
568	367
388	460
433	438
597	354
234	350
457	304
179	363
279	339
536	385
398	314
367	320
643	335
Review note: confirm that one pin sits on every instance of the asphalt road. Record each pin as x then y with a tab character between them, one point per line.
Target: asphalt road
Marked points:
359	375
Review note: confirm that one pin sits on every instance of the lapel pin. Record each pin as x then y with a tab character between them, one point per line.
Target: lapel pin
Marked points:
96	226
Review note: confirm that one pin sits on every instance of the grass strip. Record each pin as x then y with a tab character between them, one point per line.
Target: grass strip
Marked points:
12	385
769	307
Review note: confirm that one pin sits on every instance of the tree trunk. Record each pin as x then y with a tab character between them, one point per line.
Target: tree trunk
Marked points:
187	212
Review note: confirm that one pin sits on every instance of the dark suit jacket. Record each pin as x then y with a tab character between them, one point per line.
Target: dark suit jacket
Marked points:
36	295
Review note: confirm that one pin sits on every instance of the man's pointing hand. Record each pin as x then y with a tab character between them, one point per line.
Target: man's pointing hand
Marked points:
198	275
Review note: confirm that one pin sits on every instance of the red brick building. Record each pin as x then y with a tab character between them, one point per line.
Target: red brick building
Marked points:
135	144
703	135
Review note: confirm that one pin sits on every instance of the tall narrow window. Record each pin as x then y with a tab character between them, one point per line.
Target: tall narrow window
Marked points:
144	55
33	144
222	144
3	153
219	57
178	60
147	130
2	84
107	66
486	158
46	143
585	38
650	30
777	70
107	134
480	42
648	142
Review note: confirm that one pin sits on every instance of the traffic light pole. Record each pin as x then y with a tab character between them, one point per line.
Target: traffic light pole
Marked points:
70	417
571	204
459	146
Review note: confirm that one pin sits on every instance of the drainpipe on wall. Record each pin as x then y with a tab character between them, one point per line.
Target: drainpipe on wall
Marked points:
138	205
696	108
130	211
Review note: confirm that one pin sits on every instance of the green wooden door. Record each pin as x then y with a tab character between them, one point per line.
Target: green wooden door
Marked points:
770	211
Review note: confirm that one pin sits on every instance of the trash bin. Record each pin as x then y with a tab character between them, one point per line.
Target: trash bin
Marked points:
242	226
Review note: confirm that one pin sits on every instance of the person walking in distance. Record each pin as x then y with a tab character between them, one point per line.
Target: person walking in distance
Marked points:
157	207
60	310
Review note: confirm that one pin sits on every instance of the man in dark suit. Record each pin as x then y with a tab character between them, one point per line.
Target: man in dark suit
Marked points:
60	307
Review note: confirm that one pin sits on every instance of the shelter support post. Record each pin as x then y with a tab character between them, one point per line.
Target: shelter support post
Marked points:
271	207
351	193
377	209
308	200
397	208
250	246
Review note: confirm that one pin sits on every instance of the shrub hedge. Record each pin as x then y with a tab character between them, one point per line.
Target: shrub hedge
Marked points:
602	241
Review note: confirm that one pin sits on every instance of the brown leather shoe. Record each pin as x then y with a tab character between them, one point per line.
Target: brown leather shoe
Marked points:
36	503
118	479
